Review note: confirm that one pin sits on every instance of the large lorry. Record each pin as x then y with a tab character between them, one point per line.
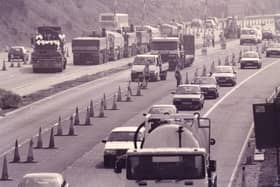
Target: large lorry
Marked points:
143	37
89	50
176	153
169	30
175	51
232	29
113	21
130	42
49	54
115	45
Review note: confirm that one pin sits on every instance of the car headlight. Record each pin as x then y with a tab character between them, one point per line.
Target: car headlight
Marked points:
110	151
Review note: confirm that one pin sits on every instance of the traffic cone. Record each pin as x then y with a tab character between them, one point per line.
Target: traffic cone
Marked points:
59	131
51	143
16	154
196	72
71	127
12	64
101	112
212	68
91	109
187	78
144	83
119	96
114	106
243	179
4	68
104	102
138	93
219	62
128	97
5	175
18	64
204	71
227	61
233	62
87	120
67	52
76	117
39	140
30	156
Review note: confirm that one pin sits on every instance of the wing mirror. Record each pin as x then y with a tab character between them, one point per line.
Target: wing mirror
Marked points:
173	92
104	141
144	114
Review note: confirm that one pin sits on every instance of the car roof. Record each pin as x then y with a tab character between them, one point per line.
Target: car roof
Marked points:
42	175
125	129
204	77
151	55
13	47
163	105
189	85
229	66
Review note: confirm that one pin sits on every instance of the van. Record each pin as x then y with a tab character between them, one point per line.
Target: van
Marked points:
249	35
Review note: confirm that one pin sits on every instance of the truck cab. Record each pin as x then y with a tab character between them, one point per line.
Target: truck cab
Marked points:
249	35
157	68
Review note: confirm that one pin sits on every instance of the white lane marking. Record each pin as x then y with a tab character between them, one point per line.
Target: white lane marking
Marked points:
235	88
240	157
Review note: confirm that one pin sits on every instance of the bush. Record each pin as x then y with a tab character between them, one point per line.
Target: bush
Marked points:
9	99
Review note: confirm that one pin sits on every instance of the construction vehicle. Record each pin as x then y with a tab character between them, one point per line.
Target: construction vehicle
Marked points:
232	29
130	42
113	21
157	68
89	50
115	45
175	153
49	54
142	39
174	51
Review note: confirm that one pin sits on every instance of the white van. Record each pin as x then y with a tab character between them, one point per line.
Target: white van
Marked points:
43	180
249	35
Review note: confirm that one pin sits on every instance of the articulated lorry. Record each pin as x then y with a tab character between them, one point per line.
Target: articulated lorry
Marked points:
175	153
49	54
89	50
174	50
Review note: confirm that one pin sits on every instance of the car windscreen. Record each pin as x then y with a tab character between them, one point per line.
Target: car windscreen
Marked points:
144	60
162	110
123	136
39	182
223	70
188	90
162	167
204	80
249	31
16	50
250	55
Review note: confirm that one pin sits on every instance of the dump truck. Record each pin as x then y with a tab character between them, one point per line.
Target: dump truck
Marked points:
142	39
175	51
89	50
115	45
130	41
49	54
113	21
175	153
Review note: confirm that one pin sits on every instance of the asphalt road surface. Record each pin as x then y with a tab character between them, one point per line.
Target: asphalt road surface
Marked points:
80	157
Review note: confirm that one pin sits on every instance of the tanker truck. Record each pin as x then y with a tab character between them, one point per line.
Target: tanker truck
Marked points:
175	153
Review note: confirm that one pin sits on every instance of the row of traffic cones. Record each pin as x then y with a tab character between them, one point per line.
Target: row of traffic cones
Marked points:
74	120
4	67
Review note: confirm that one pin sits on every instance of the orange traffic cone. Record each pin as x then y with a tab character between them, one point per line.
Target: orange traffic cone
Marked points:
59	131
129	87
71	127
187	78
101	112
39	140
227	61
87	120
91	109
104	102
119	97
51	143
114	106
16	154
18	64
128	97
77	118
219	62
12	64
4	68
138	93
233	61
30	156
212	67
5	175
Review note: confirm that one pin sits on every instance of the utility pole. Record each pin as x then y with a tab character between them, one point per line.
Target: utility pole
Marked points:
143	12
205	16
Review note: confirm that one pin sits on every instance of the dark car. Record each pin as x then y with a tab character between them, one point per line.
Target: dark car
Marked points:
208	86
17	53
225	75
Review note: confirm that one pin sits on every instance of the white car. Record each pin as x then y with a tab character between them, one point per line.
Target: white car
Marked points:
250	59
273	49
225	75
158	112
43	180
208	86
188	96
118	142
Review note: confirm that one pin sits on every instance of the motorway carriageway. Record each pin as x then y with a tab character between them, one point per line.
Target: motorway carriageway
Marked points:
231	121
